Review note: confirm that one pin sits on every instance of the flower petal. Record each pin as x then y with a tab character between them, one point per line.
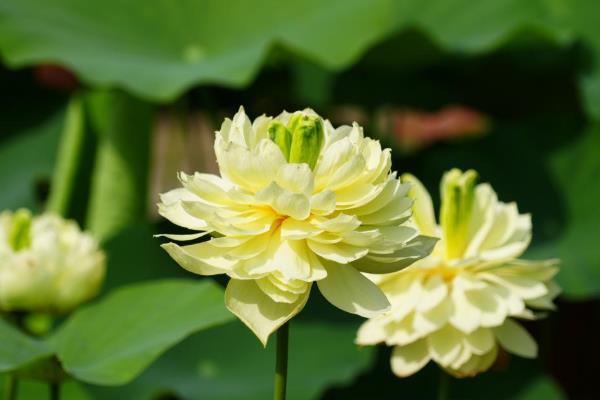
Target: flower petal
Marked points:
278	291
297	178
423	213
349	290
480	341
515	339
210	188
201	258
294	229
323	203
252	170
339	252
292	259
406	360
445	345
182	237
171	208
433	292
414	250
371	332
295	205
257	310
465	316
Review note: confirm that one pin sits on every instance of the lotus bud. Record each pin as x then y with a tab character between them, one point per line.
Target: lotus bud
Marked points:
47	264
458	193
282	137
307	139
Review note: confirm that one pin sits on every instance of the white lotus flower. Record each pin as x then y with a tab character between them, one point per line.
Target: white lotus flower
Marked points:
46	263
458	305
297	202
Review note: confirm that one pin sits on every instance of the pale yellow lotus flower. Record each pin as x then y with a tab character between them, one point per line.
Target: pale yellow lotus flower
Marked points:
460	304
46	263
297	202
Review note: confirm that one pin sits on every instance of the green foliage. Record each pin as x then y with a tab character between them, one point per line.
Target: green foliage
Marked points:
111	342
114	340
17	349
119	183
576	171
31	389
69	157
162	49
228	363
30	158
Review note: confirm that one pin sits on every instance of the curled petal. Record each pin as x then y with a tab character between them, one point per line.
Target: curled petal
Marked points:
295	205
202	258
515	339
406	360
257	310
414	250
349	290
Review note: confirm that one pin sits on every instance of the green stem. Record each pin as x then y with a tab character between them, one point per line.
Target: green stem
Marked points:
54	390
444	386
281	362
11	387
68	160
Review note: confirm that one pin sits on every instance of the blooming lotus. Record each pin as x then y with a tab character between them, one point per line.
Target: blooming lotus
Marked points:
46	263
460	304
298	201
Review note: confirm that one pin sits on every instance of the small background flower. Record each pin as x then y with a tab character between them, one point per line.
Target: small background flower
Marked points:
46	263
460	304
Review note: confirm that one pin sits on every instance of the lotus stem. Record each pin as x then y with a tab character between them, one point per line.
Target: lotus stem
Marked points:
281	362
444	386
11	387
54	390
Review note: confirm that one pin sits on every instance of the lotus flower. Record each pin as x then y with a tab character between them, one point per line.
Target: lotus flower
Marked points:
297	202
461	303
46	263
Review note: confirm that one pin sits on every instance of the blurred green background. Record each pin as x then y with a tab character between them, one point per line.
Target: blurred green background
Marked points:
510	88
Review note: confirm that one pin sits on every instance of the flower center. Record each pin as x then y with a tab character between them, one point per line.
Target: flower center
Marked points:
445	271
301	140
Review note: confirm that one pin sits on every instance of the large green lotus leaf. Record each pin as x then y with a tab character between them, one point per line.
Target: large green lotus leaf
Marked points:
112	341
27	159
161	48
18	349
229	363
124	264
576	171
118	190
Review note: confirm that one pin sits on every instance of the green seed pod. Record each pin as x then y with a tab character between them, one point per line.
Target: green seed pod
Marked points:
282	137
307	139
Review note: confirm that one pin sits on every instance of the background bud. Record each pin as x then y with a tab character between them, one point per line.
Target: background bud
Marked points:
47	264
458	192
